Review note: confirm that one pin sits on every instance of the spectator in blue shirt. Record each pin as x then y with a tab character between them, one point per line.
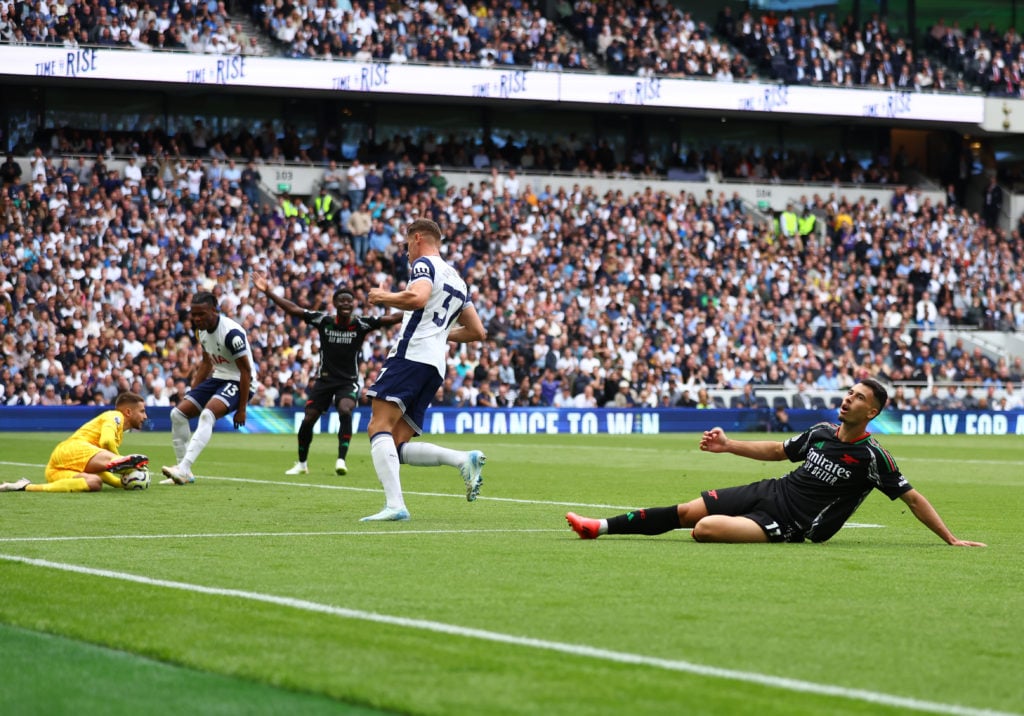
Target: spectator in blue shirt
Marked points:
828	380
380	237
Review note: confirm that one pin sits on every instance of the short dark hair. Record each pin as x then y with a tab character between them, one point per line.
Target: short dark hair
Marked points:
204	298
879	391
344	289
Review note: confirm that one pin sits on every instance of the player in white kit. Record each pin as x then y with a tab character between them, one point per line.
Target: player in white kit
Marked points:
437	310
222	384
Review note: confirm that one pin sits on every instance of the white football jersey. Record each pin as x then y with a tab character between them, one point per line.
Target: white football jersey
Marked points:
224	344
424	334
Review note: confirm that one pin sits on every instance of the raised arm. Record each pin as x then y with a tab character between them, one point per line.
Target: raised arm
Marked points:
924	512
259	280
715	440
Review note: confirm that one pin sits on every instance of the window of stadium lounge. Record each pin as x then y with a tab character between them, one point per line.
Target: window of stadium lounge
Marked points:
423	122
96	110
116	112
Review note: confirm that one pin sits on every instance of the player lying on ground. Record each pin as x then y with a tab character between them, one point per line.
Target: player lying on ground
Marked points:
841	464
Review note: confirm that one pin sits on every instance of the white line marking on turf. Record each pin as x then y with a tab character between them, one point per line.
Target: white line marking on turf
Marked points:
580	650
376	490
216	535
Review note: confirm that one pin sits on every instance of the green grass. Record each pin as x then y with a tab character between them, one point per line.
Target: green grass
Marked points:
252	592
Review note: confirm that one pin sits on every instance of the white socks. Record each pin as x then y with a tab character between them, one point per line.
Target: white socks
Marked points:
199	439
180	433
430	455
385	462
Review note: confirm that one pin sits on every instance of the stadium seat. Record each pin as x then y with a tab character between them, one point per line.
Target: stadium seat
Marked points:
818	403
779	401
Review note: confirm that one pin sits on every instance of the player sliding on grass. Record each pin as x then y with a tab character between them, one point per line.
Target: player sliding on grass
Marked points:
89	458
841	465
437	309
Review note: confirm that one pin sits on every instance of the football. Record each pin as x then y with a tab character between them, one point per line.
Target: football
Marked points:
137	479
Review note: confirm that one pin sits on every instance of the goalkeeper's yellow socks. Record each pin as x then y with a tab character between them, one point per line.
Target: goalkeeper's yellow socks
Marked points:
69	484
111	479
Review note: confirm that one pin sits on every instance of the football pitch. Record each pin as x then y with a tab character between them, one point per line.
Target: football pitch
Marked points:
252	592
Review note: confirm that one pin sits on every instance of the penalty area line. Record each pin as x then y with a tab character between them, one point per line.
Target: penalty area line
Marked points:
242	535
576	650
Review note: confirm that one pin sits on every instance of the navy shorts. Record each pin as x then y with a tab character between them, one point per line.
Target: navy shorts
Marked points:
325	393
224	390
409	385
760	502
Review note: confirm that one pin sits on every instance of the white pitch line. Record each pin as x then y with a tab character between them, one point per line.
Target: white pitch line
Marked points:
376	490
577	650
217	535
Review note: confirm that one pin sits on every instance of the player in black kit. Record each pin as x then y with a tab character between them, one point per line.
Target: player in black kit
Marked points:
337	380
841	464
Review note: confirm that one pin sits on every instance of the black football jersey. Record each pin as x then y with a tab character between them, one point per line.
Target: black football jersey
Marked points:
340	345
835	477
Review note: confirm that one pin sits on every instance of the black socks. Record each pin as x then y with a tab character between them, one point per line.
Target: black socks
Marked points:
650	521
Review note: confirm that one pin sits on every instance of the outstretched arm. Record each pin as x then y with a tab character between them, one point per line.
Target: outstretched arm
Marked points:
924	512
392	319
259	280
715	440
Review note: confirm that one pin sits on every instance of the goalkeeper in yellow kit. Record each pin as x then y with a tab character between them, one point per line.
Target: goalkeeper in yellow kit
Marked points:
88	458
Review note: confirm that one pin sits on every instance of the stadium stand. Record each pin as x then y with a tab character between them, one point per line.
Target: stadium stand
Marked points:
662	290
97	276
622	37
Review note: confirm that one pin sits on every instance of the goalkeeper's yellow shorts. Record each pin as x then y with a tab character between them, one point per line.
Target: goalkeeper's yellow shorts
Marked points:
69	459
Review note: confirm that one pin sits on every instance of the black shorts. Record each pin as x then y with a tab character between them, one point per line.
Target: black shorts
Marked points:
760	502
325	393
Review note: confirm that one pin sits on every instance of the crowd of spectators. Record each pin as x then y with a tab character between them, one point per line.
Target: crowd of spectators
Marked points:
480	34
622	37
200	27
990	59
817	49
613	299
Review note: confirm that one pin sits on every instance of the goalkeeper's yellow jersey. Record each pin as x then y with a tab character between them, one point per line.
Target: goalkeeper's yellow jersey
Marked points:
106	431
